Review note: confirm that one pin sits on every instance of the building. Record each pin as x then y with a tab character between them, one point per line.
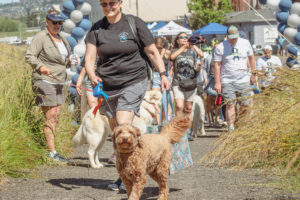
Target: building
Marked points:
156	10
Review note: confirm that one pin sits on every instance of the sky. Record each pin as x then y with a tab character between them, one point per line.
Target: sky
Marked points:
8	1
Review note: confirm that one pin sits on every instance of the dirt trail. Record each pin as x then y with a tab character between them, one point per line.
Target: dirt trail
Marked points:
195	183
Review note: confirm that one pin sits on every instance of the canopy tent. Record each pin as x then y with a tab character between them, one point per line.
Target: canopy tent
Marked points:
211	29
171	29
158	25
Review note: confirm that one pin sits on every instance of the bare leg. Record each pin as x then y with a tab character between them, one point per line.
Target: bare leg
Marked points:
230	114
179	106
92	101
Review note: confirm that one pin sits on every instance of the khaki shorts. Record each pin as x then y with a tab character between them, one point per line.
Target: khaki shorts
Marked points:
231	91
48	94
186	95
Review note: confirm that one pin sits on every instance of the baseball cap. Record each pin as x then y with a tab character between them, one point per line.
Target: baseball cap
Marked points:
233	32
55	17
268	47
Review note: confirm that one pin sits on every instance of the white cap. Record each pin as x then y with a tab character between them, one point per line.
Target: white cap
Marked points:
268	47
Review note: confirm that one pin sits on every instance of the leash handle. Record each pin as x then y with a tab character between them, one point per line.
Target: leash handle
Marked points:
98	92
98	106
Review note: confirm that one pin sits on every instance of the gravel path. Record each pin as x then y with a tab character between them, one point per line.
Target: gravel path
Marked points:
197	182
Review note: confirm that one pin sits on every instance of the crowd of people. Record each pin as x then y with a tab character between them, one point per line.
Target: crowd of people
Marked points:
114	58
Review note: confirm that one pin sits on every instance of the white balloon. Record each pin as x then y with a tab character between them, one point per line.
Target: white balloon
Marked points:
293	20
76	16
79	50
273	4
290	33
64	34
85	8
68	26
81	41
295	8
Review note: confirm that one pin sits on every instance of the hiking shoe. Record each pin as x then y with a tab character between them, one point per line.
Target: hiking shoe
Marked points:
115	186
122	188
59	158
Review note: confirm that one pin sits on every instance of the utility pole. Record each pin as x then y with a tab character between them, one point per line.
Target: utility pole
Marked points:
137	7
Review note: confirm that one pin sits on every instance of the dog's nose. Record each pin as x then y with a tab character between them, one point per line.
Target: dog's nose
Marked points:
125	139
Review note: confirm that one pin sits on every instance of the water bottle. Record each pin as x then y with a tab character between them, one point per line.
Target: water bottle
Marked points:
74	60
218	100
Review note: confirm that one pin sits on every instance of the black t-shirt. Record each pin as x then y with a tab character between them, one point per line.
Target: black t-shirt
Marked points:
120	63
184	66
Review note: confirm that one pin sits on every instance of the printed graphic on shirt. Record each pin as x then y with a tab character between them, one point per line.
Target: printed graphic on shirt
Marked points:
123	36
185	65
235	53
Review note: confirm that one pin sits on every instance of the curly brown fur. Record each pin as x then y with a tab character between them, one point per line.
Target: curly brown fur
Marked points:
139	155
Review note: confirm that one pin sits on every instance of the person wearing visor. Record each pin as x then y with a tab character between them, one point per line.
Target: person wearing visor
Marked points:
232	78
48	54
266	65
121	68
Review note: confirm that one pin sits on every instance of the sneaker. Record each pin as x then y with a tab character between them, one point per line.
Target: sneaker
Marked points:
122	188
231	128
115	186
58	157
190	138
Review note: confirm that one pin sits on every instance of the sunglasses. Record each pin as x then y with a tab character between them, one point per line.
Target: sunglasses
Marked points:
59	23
183	37
111	4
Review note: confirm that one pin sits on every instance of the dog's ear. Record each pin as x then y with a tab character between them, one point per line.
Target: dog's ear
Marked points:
138	135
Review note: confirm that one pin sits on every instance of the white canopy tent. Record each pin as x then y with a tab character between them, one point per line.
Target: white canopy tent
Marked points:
171	29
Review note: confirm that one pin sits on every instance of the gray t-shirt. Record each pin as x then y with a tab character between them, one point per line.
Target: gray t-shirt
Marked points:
184	66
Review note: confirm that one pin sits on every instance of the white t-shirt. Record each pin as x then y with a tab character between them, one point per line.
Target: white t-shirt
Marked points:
62	49
268	66
234	60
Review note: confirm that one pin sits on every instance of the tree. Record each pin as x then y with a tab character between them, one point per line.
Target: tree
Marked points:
207	11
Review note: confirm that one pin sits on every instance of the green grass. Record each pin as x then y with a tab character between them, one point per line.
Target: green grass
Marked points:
268	136
22	145
10	34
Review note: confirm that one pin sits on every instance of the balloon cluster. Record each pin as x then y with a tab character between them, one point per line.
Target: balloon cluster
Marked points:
287	14
75	28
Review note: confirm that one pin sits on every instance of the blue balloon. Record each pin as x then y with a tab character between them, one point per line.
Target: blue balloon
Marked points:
75	78
68	6
293	50
298	28
79	67
72	41
297	39
85	24
285	5
77	2
282	27
282	17
65	15
78	33
264	2
72	90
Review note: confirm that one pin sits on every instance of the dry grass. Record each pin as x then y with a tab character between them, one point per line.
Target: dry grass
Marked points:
269	135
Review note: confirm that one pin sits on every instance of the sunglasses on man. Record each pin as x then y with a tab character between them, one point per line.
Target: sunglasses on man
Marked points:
111	4
59	23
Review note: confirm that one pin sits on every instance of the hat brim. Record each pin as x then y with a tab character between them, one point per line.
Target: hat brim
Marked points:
233	36
56	18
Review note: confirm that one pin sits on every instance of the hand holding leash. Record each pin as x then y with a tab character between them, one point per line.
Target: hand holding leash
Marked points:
99	93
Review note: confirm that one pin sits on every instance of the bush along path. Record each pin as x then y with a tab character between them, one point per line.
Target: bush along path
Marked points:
78	181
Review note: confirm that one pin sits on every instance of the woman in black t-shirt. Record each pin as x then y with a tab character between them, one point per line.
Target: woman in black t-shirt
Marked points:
121	68
185	68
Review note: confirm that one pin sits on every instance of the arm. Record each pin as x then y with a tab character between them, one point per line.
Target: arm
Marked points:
252	66
90	60
217	77
157	61
175	54
79	80
198	51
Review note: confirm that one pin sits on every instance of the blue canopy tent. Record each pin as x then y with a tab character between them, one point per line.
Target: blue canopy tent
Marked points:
211	29
159	25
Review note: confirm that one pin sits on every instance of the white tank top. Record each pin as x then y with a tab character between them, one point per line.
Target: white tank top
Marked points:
62	49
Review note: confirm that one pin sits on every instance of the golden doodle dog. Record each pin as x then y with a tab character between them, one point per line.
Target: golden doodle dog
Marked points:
150	154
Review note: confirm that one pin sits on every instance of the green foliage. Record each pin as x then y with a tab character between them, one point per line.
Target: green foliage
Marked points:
10	25
205	11
21	122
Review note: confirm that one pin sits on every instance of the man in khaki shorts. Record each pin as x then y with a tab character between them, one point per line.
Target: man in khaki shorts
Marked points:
232	78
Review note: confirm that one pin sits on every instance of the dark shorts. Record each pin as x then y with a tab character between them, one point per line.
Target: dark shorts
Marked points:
48	94
231	91
127	99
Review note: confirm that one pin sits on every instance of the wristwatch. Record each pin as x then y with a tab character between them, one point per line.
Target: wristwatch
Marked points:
164	73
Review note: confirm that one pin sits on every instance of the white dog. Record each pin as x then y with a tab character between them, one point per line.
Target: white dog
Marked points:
93	131
198	115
